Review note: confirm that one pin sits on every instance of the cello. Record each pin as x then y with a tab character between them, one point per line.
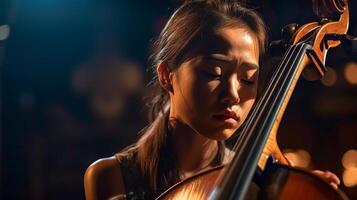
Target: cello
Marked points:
257	144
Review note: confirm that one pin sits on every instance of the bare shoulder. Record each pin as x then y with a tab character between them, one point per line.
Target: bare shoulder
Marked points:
103	179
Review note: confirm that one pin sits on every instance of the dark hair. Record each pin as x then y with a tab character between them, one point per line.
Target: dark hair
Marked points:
187	23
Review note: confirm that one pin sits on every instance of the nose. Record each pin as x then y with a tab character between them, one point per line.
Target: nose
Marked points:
230	95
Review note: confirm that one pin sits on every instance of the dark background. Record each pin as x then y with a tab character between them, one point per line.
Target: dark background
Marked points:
73	76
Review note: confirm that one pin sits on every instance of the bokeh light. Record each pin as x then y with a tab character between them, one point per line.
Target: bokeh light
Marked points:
4	32
350	177
349	162
350	73
349	159
299	158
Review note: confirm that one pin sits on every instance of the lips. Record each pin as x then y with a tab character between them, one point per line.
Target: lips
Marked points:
226	114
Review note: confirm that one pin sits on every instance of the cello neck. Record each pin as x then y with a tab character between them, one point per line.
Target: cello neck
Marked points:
261	126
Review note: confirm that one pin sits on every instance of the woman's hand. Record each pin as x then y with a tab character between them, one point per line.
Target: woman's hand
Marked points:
329	177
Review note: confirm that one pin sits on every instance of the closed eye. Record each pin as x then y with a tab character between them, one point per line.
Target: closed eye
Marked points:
248	82
212	75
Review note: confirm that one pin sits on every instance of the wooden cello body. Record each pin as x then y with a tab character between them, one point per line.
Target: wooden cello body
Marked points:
257	145
278	182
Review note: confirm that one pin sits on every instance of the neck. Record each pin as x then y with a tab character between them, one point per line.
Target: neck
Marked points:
193	152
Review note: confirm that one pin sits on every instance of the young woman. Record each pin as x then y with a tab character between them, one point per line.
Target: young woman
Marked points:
208	60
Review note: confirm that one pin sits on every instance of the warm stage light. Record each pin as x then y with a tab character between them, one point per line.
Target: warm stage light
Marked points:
350	73
300	157
349	177
349	162
349	159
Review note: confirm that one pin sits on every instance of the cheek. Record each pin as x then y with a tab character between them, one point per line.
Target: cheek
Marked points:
247	101
205	89
192	95
193	86
248	93
247	106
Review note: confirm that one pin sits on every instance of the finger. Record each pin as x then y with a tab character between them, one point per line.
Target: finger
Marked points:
328	176
318	173
334	186
333	177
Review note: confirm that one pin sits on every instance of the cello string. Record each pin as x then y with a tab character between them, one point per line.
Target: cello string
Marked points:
279	92
242	140
247	170
276	88
256	117
259	103
257	107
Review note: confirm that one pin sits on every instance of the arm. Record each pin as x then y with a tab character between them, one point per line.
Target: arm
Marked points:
103	179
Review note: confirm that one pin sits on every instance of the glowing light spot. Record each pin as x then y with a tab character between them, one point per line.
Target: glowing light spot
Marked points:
349	177
350	73
299	158
4	32
349	159
330	77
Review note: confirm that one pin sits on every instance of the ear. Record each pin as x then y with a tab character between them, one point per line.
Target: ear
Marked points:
164	75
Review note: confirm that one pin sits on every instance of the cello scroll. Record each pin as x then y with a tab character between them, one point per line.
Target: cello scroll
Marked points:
323	35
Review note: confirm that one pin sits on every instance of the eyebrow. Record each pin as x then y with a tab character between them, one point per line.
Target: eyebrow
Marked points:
224	58
219	57
251	65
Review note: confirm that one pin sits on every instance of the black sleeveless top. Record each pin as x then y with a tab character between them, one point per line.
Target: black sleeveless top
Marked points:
138	187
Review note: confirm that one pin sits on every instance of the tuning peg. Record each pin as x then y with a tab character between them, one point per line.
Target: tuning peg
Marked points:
278	47
342	37
288	31
349	41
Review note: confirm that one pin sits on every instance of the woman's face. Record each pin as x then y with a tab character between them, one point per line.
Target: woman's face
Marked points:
215	87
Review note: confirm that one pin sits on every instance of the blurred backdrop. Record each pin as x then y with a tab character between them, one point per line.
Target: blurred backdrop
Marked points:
73	88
